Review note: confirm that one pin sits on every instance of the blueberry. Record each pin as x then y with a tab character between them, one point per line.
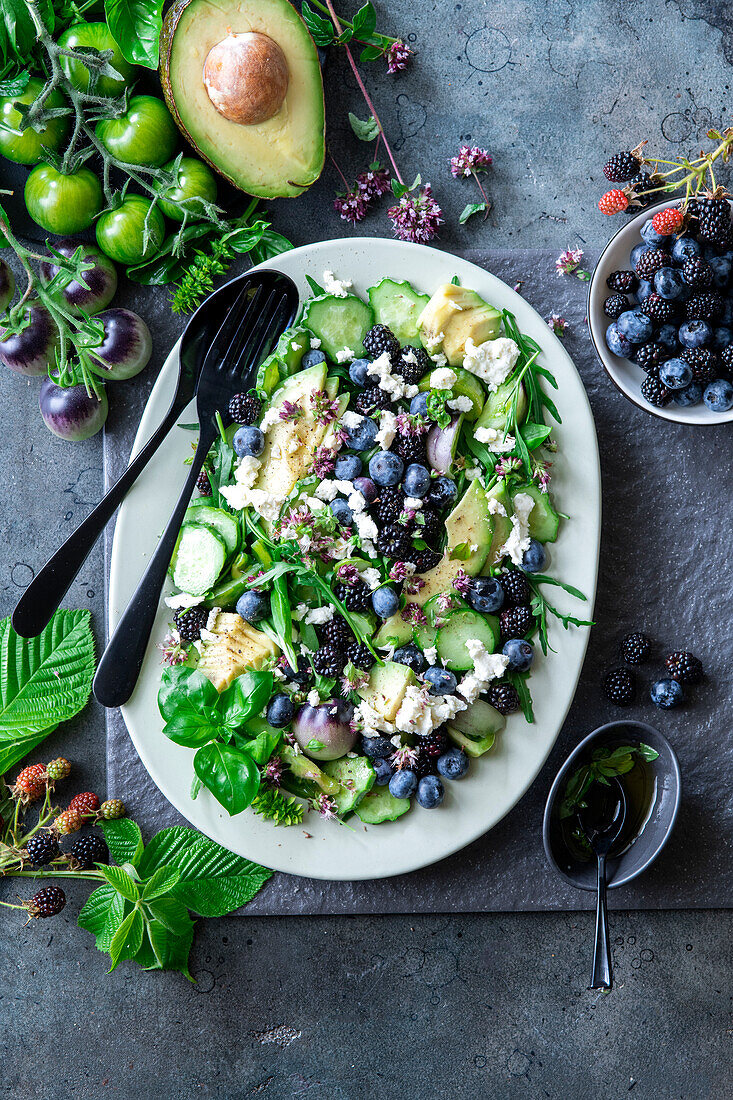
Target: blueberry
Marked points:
718	396
645	289
417	480
650	235
442	682
666	694
534	558
430	792
385	468
617	343
377	748
636	251
248	440
312	358
385	601
358	372
253	606
667	337
690	395
347	467
302	676
722	337
694	334
726	317
383	768
485	594
721	266
419	405
520	654
367	488
361	437
280	710
342	512
453	764
403	784
442	492
668	283
411	656
684	248
635	326
676	374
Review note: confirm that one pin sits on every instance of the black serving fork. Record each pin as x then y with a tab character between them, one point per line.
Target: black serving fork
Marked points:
263	309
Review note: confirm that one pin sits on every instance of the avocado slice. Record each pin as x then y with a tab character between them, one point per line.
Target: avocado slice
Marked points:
290	444
386	688
502	525
453	314
264	133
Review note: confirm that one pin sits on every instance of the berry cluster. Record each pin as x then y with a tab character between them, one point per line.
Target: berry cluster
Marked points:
681	667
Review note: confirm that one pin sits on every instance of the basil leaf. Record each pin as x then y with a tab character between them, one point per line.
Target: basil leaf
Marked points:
15	85
185	690
232	776
270	244
124	840
534	435
261	747
366	130
193	730
246	696
470	209
136	27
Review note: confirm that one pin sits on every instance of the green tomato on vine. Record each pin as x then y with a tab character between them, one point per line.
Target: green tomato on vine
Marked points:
63	203
146	134
27	146
195	181
81	36
121	232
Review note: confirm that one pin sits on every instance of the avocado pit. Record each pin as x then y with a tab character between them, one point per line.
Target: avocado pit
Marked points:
246	77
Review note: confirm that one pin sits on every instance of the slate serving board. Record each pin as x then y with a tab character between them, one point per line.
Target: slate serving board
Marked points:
664	569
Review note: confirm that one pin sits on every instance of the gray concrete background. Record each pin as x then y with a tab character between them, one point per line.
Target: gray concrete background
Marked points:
473	1006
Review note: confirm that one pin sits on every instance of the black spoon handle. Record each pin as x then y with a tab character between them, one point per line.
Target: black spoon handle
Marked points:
122	660
48	588
601	973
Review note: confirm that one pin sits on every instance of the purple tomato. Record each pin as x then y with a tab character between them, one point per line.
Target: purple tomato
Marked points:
126	347
33	350
324	732
69	412
101	279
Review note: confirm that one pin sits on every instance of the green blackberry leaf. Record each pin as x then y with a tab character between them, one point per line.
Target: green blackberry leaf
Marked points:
121	881
124	840
127	939
102	915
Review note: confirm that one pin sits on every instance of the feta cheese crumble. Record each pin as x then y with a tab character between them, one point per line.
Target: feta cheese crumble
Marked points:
493	361
182	601
460	404
317	616
315	343
518	540
387	429
430	654
413	504
313	698
443	379
338	287
344	356
494	440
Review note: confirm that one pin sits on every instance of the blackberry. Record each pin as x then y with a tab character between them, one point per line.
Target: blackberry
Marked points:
48	902
424	765
245	408
697	273
393	541
336	633
726	357
413	372
354	597
704	363
190	623
516	587
380	339
623	281
618	686
658	309
435	744
650	262
654	391
86	803
635	648
328	661
42	848
432	527
424	560
642	185
374	397
88	850
304	673
714	220
621	167
389	504
704	307
684	667
515	622
650	355
503	697
614	306
203	484
360	655
411	448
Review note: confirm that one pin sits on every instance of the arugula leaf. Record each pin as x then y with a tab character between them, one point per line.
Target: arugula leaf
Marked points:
136	27
519	680
124	840
366	130
472	208
534	435
231	775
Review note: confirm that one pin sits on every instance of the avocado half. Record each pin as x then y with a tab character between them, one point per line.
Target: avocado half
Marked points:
257	62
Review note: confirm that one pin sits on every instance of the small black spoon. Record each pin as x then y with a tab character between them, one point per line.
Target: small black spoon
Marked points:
602	821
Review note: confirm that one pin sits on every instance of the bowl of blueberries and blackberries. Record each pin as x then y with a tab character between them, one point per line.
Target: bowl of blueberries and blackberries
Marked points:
660	310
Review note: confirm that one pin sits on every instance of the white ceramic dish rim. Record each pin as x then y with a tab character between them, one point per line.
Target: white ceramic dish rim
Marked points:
625	375
420	837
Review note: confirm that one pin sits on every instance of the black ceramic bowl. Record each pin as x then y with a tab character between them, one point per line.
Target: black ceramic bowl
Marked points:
665	774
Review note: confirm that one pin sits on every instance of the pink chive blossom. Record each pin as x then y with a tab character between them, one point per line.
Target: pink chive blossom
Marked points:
541	474
292	524
405	757
407	517
398	57
273	770
324	462
348	574
445	602
558	324
461	582
518	286
325	408
413	585
470	159
353	678
416	217
340	436
507	466
568	262
325	806
412	613
351	206
173	649
409	425
373	182
290	410
401	570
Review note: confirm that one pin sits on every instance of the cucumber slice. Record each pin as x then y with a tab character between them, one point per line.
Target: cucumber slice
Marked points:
466	385
379	805
356	776
451	641
222	522
544	521
285	359
199	558
398	306
495	412
338	322
475	729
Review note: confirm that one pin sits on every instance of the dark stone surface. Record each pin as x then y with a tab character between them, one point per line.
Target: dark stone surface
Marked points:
492	1005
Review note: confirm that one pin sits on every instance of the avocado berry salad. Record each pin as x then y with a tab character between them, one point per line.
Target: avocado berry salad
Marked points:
358	588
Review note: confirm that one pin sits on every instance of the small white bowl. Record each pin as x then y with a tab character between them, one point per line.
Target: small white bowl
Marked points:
625	375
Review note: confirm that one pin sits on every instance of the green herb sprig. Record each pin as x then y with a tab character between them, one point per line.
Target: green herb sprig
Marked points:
603	766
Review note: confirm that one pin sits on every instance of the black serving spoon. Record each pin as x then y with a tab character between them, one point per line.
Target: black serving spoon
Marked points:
48	588
602	821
